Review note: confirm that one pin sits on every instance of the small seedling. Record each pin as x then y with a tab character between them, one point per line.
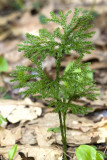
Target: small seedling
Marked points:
12	152
3	65
56	130
77	80
3	121
86	152
3	68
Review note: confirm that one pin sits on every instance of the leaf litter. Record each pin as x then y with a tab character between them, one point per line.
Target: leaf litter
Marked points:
32	129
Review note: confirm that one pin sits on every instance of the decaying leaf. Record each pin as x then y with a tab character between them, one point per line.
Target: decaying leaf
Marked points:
9	137
80	130
43	137
28	136
16	111
38	153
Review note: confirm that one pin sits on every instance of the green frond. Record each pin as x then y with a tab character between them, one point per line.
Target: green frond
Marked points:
77	81
77	109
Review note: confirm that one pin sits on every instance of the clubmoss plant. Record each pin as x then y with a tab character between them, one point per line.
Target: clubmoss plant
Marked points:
75	82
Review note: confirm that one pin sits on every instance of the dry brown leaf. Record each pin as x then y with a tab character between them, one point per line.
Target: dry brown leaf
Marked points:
9	49
89	2
102	134
16	111
28	136
101	77
39	153
77	137
8	18
44	138
80	130
99	65
9	137
22	113
23	62
71	4
27	23
73	121
48	8
4	35
101	101
94	55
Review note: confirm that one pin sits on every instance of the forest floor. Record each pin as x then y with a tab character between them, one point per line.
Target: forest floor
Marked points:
28	119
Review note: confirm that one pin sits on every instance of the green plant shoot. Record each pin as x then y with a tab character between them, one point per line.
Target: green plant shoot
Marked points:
56	130
76	82
3	65
12	152
88	72
2	120
85	152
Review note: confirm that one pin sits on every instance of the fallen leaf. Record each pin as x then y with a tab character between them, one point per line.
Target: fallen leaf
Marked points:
9	137
44	138
38	153
80	130
8	18
11	110
28	136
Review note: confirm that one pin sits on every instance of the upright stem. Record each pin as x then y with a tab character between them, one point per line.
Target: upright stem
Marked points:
61	125
63	133
65	140
62	118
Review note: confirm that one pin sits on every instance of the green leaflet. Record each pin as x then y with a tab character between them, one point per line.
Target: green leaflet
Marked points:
89	72
99	156
12	152
85	152
2	119
56	130
3	65
77	77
